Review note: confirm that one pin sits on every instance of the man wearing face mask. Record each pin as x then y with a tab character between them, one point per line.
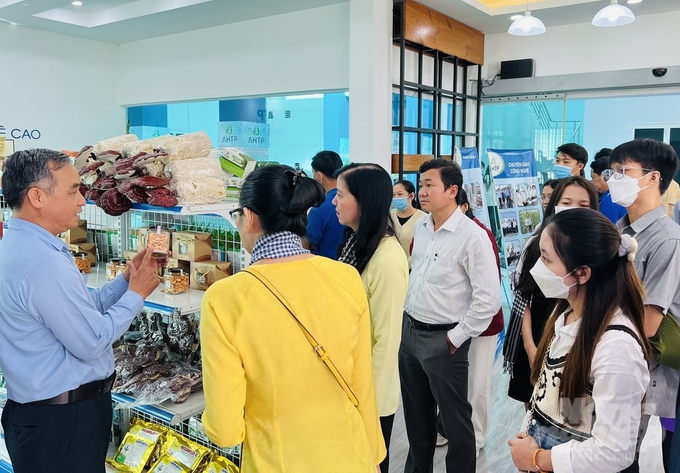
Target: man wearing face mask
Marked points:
608	208
324	231
570	160
640	173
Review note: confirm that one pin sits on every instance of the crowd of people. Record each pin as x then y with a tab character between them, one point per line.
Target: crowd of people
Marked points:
364	294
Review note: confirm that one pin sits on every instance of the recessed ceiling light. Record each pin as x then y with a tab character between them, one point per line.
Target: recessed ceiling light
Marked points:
631	2
516	17
77	3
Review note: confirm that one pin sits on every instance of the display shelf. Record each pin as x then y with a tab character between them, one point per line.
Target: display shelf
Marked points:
168	411
186	303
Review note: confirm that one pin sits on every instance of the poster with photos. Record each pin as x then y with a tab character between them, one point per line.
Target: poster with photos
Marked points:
517	197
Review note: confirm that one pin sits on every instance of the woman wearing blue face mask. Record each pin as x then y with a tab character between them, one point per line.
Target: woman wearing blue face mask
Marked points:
405	214
591	370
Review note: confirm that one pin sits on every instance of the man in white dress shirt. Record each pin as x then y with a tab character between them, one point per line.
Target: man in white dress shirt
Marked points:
453	295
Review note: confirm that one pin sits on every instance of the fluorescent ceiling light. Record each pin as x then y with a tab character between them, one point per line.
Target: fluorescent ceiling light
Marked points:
303	97
77	3
613	15
631	2
527	25
516	17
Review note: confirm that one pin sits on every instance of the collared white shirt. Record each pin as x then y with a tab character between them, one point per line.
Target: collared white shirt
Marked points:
620	376
454	277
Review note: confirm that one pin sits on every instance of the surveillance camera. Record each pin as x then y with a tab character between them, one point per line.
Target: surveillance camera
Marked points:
659	72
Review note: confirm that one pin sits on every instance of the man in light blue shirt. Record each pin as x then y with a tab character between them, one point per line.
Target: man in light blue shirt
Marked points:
56	336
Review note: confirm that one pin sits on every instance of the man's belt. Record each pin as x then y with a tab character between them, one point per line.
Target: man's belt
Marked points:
428	327
83	393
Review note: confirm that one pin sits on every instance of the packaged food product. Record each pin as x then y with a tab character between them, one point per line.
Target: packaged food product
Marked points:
168	465
158	241
152	432
82	262
112	268
181	450
134	452
218	464
176	281
122	266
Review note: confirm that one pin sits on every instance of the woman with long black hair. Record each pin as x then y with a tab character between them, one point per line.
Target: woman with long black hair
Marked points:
370	245
591	369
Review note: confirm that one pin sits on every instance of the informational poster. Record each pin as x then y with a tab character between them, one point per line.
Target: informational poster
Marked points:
517	194
473	184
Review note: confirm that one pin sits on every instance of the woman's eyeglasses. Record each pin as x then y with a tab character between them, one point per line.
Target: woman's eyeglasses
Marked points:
235	213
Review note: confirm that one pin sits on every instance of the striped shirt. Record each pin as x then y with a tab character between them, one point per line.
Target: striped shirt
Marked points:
454	278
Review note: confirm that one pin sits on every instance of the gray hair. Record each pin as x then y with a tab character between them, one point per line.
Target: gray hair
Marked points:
24	169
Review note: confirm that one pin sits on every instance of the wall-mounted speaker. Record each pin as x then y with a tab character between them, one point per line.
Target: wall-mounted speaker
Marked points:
518	68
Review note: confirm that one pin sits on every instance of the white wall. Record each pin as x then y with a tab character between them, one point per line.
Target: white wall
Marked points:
62	86
651	41
301	51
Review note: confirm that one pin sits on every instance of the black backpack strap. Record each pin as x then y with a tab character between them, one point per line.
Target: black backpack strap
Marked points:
629	331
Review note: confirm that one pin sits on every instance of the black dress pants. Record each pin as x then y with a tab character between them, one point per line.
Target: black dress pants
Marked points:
70	438
386	423
431	377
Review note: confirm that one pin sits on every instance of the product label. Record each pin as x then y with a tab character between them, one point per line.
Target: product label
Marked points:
184	455
132	454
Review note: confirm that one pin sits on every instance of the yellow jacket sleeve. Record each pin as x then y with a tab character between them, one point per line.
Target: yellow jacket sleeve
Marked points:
223	377
386	282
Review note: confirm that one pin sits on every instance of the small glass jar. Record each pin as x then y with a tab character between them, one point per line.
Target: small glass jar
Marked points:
158	241
82	261
176	281
122	266
112	269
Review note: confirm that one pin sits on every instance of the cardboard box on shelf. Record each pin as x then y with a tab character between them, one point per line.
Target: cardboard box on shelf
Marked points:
191	246
236	162
75	235
205	273
176	263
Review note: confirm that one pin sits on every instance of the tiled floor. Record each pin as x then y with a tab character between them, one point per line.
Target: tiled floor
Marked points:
507	415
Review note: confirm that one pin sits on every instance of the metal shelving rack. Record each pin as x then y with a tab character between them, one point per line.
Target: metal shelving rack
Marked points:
464	91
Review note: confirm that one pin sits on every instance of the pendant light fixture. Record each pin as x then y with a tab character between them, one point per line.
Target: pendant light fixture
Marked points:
528	25
614	15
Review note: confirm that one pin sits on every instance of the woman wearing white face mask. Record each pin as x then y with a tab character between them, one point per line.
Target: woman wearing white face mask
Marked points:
531	308
406	213
591	370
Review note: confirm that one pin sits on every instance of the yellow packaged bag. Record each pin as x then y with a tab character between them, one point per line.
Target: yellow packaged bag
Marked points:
178	448
168	465
220	464
152	432
111	466
134	452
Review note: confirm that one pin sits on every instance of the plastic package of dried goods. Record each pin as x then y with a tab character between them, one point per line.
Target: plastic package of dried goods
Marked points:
218	464
133	148
113	144
197	181
191	145
150	431
181	450
134	452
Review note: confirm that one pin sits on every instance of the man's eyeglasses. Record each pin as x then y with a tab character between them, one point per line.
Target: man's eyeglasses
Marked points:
619	172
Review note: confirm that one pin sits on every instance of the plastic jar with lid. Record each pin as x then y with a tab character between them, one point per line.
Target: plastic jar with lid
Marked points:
176	281
122	266
82	261
112	269
158	241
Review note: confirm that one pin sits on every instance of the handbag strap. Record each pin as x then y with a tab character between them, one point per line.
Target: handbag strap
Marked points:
319	350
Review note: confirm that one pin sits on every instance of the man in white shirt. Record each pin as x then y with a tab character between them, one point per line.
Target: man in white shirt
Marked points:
453	295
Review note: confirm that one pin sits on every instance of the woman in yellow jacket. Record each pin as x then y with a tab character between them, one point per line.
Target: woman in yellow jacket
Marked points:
363	205
264	385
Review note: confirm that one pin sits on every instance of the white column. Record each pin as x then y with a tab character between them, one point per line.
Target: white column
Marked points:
370	88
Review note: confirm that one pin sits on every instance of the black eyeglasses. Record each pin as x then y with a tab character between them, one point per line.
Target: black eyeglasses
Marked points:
235	213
